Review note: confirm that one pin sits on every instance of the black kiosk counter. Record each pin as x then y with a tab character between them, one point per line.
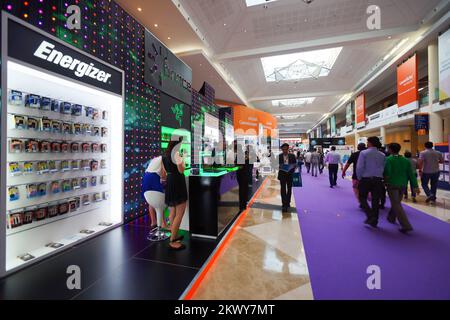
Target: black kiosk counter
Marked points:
213	201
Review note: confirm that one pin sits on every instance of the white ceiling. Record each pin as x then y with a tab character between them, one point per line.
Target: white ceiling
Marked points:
236	38
223	41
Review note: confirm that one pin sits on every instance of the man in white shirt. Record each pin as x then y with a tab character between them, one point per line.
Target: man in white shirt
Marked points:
308	161
333	159
429	170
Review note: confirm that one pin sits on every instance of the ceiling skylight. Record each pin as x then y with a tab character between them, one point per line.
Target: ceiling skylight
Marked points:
257	2
302	65
297	102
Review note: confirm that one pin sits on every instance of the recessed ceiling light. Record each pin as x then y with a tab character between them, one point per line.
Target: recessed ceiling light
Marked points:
168	38
257	2
156	25
224	24
139	9
296	102
302	65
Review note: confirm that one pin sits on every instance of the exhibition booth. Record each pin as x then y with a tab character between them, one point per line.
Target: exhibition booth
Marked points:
82	117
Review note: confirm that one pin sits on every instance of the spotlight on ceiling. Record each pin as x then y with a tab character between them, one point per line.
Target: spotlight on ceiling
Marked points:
308	1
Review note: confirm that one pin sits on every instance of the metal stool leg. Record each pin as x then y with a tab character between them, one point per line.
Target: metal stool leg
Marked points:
159	235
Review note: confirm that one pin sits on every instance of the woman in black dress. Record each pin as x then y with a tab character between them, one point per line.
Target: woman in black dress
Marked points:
176	191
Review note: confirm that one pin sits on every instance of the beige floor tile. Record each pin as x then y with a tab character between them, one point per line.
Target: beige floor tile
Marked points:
303	292
251	269
285	236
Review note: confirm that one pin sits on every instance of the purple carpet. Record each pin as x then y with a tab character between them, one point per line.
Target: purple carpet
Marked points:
339	248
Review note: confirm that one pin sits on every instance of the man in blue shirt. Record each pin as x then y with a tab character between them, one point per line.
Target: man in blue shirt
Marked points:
369	171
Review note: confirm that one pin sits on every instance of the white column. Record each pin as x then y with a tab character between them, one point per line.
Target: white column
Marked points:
436	123
383	135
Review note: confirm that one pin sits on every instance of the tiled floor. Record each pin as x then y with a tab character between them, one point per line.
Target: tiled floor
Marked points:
265	259
119	264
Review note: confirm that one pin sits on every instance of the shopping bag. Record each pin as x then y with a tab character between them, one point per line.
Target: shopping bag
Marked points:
297	179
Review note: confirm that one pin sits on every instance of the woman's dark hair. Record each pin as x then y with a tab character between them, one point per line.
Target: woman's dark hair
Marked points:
408	154
172	144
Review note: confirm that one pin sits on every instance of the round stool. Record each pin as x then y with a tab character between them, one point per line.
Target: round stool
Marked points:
156	200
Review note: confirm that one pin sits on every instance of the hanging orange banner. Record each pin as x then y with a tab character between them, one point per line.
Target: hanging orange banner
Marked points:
360	110
407	86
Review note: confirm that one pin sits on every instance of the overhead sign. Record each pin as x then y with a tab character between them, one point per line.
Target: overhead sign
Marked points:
349	117
326	142
444	66
333	125
421	123
360	107
174	113
407	86
165	72
45	52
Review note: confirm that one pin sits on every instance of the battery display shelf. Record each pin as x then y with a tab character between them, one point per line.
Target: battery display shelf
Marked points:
61	177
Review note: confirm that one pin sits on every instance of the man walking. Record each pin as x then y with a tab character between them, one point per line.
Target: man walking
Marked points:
287	164
308	161
429	170
315	159
397	173
369	170
333	159
354	160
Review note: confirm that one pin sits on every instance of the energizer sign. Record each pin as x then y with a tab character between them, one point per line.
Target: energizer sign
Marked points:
81	69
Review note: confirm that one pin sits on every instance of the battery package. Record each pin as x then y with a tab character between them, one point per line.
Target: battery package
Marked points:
19	122
32	190
15	218
42	189
13	193
15	98
14	169
32	101
77	110
53	210
65	108
45	146
46	103
56	126
33	123
63	207
65	165
28	167
42	167
55	106
64	147
31	146
41	212
46	125
52	166
28	215
67	128
55	187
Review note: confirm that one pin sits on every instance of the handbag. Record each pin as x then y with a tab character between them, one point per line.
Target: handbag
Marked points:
297	179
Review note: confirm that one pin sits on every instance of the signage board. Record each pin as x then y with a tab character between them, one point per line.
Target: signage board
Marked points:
165	71
35	48
407	85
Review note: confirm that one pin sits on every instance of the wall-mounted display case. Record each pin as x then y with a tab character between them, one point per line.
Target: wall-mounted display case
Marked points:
61	175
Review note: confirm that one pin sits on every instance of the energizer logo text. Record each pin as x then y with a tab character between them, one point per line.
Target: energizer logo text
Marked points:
46	52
